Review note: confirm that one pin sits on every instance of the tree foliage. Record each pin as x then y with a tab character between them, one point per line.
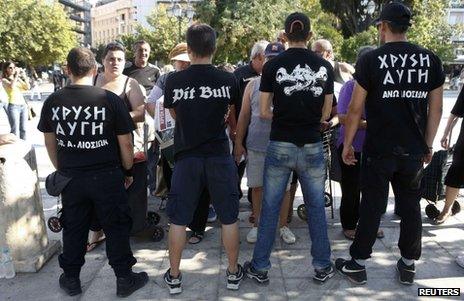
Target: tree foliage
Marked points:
162	36
353	14
241	23
34	32
430	28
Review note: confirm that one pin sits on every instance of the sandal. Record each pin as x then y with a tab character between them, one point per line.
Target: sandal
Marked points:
195	238
349	234
93	245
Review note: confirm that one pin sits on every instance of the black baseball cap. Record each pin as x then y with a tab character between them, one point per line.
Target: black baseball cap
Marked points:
297	18
396	13
274	49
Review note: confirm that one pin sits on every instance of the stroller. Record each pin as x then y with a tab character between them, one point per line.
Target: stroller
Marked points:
328	142
432	184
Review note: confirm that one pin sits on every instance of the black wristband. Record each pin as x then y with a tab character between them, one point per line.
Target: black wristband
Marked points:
127	172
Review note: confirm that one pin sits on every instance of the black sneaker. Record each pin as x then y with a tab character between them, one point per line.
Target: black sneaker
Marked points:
174	284
258	276
125	286
406	272
322	275
356	273
71	285
233	280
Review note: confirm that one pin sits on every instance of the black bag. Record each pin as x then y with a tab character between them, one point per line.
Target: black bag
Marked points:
56	182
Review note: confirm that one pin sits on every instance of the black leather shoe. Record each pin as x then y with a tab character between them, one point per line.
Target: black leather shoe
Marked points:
71	285
125	286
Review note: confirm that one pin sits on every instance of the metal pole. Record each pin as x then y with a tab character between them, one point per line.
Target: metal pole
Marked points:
180	28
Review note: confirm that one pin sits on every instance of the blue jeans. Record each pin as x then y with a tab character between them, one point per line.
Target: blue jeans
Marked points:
308	161
17	115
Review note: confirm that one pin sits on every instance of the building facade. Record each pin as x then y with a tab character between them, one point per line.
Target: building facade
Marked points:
79	13
113	18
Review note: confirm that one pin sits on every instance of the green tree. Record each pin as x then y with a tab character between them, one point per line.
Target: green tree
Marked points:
240	23
162	37
350	46
353	14
430	27
34	32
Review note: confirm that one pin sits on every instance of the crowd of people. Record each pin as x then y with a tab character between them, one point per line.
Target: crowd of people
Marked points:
211	124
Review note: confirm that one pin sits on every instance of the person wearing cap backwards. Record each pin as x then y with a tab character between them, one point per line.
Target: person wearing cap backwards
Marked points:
400	85
300	85
199	99
256	142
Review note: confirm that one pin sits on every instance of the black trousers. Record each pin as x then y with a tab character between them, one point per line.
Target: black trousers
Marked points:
376	173
101	193
351	191
200	217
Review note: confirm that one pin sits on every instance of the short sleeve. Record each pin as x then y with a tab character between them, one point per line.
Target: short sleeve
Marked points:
329	84
155	94
438	78
235	92
362	74
267	79
458	109
45	123
123	122
345	97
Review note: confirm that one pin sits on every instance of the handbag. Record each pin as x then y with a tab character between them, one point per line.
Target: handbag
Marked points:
56	182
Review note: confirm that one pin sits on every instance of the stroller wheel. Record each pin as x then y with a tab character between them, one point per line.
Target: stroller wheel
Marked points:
301	211
328	199
432	211
456	208
54	224
153	218
158	234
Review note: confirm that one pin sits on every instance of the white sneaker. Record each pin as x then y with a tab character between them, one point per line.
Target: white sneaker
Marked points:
460	261
287	235
252	236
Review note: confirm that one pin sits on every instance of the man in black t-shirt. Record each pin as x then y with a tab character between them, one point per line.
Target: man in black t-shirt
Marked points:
300	85
88	138
199	99
400	85
140	69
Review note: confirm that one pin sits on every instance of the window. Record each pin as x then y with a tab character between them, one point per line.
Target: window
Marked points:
123	17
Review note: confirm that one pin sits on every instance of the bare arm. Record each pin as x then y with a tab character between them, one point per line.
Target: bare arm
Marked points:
126	150
434	116
137	101
265	100
232	121
173	113
327	107
362	122
51	145
245	115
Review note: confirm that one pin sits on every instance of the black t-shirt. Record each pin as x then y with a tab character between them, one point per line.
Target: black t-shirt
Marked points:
200	96
146	76
398	77
244	75
86	121
299	80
